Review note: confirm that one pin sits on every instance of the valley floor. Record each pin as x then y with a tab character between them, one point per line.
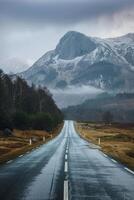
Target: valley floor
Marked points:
116	141
19	142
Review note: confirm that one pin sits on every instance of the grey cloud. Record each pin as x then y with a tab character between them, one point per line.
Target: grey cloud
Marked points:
29	28
75	95
60	12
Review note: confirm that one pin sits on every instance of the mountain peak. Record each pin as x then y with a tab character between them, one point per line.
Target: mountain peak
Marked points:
74	44
72	34
79	60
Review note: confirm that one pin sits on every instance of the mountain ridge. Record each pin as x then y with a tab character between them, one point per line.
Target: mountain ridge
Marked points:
121	106
105	64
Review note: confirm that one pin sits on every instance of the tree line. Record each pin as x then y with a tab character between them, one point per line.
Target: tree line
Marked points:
106	108
26	107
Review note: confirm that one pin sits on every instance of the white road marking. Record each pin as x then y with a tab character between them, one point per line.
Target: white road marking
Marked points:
65	190
66	150
20	156
105	155
65	156
114	160
66	167
132	172
9	161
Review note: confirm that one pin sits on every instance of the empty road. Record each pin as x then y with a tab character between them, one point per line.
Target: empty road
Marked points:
67	167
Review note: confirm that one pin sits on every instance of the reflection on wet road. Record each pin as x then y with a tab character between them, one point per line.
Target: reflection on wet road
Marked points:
93	176
65	168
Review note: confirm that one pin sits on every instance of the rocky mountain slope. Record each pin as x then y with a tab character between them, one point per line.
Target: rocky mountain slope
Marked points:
80	60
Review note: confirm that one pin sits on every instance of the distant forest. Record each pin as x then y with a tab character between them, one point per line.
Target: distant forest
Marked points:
26	107
105	107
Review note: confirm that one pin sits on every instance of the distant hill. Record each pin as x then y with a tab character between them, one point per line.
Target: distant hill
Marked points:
121	107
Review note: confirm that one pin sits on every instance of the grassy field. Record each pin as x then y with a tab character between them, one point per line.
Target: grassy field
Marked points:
19	142
116	140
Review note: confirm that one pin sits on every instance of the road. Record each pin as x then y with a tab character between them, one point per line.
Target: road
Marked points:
67	167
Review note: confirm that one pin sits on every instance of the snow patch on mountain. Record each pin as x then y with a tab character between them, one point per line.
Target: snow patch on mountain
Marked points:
79	60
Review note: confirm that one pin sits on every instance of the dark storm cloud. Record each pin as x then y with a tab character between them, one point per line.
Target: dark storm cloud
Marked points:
60	12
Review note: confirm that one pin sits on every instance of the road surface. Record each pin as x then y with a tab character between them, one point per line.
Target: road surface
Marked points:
67	167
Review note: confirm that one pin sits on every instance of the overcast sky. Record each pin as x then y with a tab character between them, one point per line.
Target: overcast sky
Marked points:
29	28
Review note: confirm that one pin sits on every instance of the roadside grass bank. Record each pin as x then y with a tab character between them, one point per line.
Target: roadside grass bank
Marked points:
19	143
115	140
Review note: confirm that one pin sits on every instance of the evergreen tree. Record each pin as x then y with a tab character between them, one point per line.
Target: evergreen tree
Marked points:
23	106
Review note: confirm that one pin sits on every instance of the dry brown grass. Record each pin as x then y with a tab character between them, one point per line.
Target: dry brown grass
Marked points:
18	143
116	141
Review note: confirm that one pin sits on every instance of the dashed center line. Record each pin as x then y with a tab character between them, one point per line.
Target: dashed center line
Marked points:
65	156
66	167
65	194
66	190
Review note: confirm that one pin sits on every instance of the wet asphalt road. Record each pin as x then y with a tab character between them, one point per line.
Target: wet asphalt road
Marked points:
67	167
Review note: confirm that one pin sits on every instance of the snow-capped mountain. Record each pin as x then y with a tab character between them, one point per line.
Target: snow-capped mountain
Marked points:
80	60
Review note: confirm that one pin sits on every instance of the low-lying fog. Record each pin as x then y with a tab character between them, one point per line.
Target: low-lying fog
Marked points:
74	95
